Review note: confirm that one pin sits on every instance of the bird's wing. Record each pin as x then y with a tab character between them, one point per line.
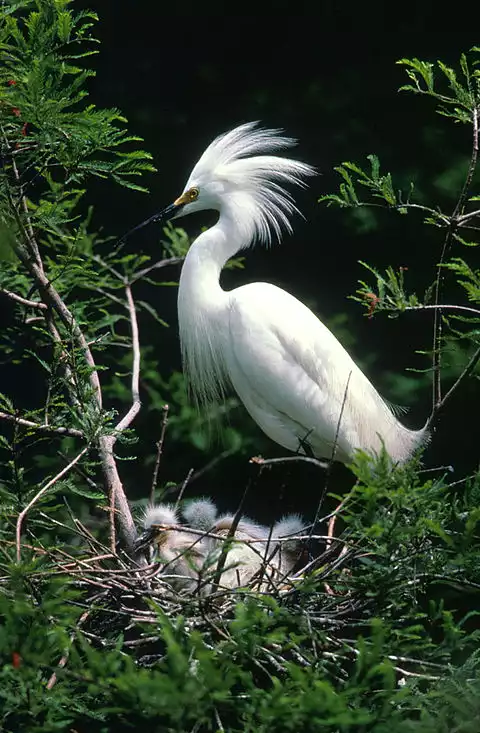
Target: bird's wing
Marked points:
294	376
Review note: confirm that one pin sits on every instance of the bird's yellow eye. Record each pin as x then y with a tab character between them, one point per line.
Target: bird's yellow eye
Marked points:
193	194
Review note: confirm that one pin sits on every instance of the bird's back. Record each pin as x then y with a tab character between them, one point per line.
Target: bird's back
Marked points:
301	385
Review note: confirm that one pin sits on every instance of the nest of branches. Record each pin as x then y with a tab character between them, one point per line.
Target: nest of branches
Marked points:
127	604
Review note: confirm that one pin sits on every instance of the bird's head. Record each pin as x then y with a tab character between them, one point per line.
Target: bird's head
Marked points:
236	173
157	522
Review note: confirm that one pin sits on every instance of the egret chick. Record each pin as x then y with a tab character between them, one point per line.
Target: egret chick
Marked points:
200	514
293	376
182	553
257	551
190	560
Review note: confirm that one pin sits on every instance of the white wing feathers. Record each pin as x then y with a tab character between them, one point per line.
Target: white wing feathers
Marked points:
299	383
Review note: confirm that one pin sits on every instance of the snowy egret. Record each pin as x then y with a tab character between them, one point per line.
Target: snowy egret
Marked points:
190	559
293	376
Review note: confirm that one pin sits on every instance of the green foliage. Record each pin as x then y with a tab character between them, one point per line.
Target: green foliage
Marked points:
391	644
463	97
455	323
57	137
379	186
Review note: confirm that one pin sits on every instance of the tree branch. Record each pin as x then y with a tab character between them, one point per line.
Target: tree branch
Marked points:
51	298
443	307
158	457
49	429
156	266
462	220
38	496
454	223
136	404
23	301
463	376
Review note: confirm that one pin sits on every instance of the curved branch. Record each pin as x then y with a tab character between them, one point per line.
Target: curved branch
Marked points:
39	494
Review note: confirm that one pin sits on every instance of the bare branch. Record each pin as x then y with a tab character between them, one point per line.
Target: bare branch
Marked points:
465	308
136	404
51	297
462	220
459	208
113	483
38	496
62	662
108	267
158	457
183	487
156	266
49	429
286	459
29	233
455	220
114	487
463	376
21	300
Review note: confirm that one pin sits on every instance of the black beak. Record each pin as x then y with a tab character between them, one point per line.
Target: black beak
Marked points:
144	541
170	212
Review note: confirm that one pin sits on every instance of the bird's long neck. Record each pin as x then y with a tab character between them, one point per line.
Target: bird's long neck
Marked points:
202	306
200	277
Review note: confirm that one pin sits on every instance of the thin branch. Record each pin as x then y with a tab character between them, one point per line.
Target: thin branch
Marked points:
437	323
112	478
441	307
111	524
49	429
38	496
156	266
183	488
459	208
334	450
463	376
229	538
426	209
29	230
108	267
62	662
51	297
136	404
286	459
454	223
119	507
466	217
158	457
23	301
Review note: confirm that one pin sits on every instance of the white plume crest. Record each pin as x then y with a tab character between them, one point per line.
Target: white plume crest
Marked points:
160	514
255	182
200	514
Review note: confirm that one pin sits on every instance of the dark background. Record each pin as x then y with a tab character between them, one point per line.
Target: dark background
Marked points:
182	79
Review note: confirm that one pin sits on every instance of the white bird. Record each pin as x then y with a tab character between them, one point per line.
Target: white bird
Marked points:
256	552
182	554
294	377
190	560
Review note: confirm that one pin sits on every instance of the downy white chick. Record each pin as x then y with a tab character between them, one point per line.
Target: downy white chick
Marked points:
190	558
